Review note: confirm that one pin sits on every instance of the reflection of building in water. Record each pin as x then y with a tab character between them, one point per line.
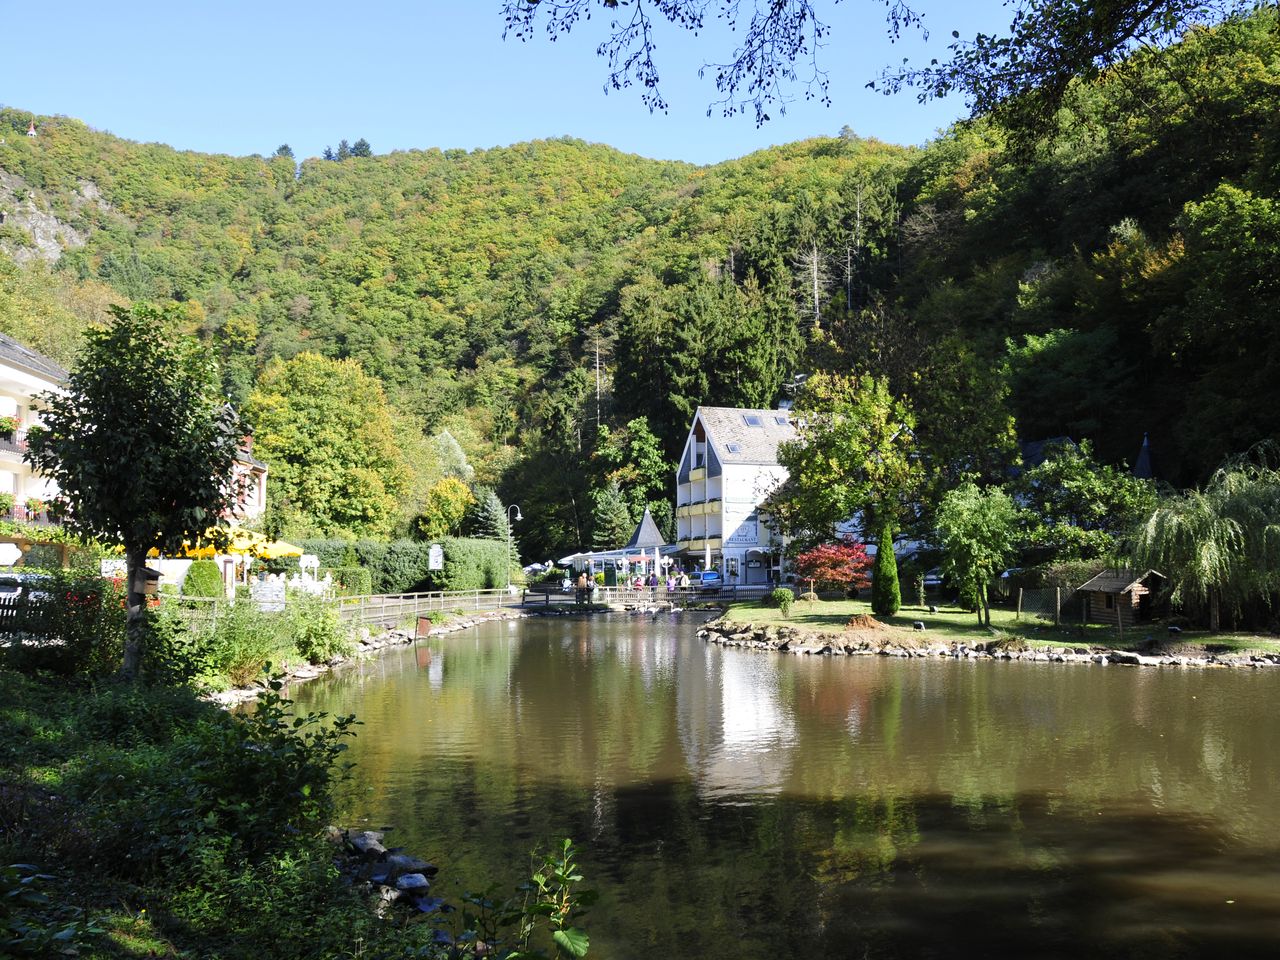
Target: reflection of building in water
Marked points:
736	732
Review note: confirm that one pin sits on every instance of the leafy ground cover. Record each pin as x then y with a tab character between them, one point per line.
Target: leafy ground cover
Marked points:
145	822
954	625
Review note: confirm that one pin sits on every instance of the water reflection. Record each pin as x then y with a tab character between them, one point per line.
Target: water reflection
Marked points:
733	804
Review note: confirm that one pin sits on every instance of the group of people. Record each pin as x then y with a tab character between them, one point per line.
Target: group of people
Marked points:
674	581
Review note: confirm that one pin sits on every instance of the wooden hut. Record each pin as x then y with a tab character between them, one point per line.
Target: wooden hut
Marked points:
1120	597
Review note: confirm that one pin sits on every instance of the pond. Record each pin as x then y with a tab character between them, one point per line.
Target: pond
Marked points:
737	804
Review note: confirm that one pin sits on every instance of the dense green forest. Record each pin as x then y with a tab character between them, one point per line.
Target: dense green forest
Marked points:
543	318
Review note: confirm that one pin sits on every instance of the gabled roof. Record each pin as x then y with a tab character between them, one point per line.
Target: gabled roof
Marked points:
743	435
1036	452
647	535
1118	581
11	351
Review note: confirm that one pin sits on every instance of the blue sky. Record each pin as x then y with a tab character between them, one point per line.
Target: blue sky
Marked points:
241	77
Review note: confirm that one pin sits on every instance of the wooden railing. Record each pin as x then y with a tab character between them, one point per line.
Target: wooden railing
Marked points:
391	609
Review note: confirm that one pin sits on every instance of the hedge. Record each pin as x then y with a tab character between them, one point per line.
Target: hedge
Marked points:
474	564
403	566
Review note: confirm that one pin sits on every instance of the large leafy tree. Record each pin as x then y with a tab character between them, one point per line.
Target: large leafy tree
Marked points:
1077	508
978	530
855	457
141	444
325	429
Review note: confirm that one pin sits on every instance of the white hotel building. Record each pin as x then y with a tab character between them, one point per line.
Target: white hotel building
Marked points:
728	468
23	375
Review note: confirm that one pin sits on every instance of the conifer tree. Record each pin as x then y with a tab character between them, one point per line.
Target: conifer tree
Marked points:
611	519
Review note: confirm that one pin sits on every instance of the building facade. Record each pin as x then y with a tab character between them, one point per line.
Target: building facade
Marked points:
728	467
23	375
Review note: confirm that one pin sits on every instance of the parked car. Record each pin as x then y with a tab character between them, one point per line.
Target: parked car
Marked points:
710	580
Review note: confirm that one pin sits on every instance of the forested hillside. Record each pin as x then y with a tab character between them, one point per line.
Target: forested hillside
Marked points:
1116	279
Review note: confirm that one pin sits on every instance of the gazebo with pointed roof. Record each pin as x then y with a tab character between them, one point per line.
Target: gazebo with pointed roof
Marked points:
647	535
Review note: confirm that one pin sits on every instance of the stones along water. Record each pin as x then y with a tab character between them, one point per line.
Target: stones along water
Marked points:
737	804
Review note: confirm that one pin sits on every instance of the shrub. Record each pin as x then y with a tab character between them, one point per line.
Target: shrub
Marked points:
68	623
203	579
315	629
6	502
351	581
176	653
782	598
243	641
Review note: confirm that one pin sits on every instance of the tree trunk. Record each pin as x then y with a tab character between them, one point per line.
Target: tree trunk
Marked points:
136	607
1215	613
986	605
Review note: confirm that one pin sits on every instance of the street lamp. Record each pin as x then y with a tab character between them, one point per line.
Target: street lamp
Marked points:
511	546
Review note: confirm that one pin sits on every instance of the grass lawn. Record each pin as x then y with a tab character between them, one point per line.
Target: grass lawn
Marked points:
951	624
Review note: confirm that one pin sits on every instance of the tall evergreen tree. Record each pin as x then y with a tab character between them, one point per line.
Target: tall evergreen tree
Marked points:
612	523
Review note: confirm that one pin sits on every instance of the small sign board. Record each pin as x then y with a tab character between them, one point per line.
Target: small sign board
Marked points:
435	557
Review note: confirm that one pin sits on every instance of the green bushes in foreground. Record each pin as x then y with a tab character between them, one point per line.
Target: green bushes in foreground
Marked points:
145	815
235	646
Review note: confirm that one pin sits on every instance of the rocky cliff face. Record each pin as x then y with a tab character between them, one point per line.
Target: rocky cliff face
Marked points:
29	231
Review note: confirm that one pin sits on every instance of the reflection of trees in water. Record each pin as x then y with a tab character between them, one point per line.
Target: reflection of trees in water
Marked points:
972	809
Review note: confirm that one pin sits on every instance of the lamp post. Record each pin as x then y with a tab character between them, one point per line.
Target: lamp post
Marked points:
511	546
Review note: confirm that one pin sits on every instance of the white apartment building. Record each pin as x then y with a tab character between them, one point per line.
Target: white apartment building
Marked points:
23	374
728	468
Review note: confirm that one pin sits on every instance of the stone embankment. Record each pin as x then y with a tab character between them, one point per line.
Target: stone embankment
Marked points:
869	638
367	644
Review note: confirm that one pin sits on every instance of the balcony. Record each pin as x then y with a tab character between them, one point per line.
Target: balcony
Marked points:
21	514
13	444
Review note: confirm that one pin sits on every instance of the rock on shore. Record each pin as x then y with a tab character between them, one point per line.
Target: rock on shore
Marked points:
868	637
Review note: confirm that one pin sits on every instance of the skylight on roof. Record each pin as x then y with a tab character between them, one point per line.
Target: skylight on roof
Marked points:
752	420
733	447
781	421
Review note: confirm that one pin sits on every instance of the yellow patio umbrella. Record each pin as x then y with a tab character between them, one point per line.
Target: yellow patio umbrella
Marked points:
275	549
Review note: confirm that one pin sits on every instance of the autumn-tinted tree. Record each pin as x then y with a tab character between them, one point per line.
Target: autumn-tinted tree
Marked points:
141	444
855	458
445	509
325	429
842	565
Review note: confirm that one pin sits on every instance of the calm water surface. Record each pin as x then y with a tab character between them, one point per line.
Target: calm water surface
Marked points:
734	804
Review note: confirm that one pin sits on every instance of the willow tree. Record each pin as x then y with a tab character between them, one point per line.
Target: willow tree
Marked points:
141	444
1219	546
